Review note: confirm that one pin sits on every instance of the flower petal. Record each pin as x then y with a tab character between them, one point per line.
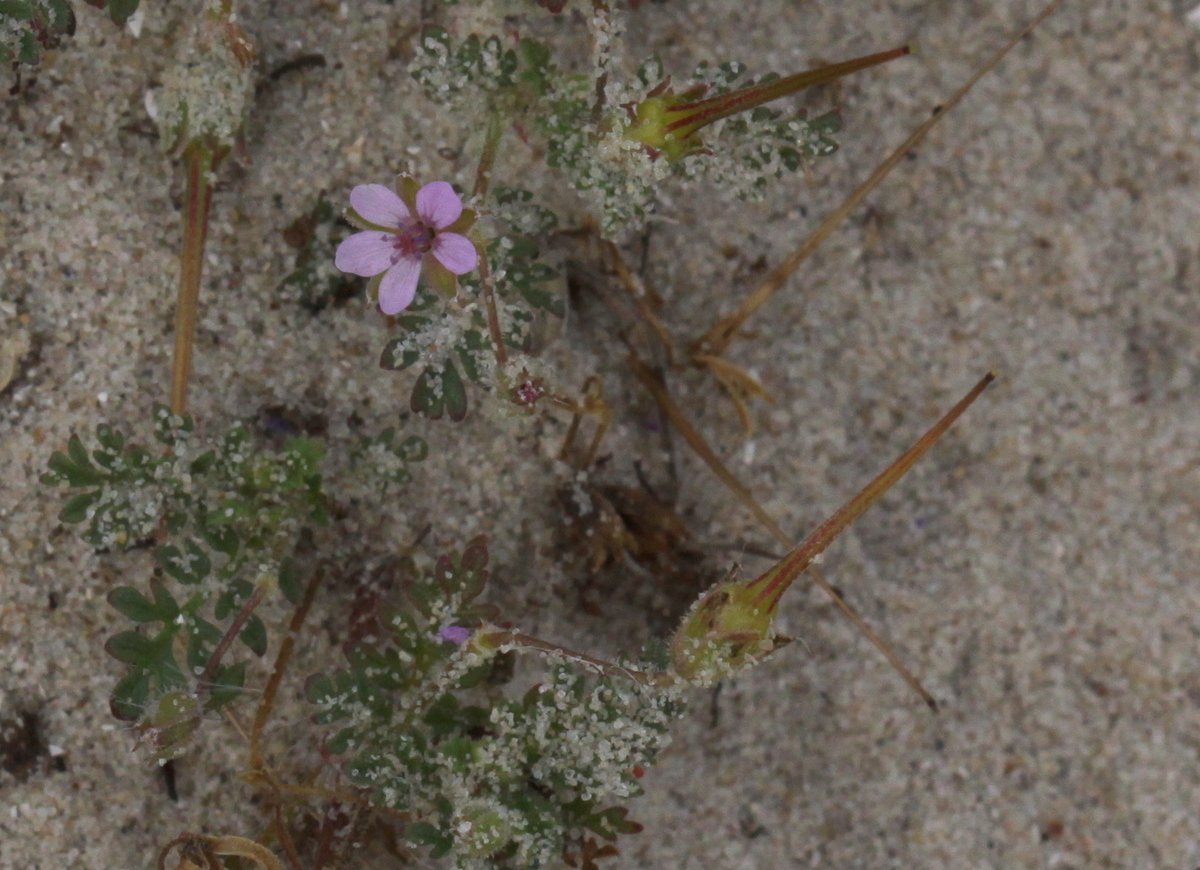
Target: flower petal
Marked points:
366	253
399	285
455	252
455	634
379	205
438	204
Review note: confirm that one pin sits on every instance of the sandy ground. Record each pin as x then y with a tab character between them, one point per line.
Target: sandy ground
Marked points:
1036	569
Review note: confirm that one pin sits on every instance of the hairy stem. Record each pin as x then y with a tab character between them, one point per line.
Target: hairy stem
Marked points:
608	669
239	622
493	315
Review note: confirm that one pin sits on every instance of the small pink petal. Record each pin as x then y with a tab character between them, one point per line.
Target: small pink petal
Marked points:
399	285
366	253
379	205
438	204
455	634
455	252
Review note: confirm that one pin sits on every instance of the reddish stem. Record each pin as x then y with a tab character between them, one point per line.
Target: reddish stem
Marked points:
199	160
214	661
776	580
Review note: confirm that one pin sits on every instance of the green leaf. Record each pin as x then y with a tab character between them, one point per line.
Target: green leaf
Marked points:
110	437
167	425
75	510
63	17
545	300
304	457
425	834
614	821
341	742
202	637
254	635
396	357
133	604
190	566
536	54
470	349
128	700
133	648
73	474
226	686
78	452
290	581
319	689
203	463
427	395
237	592
445	575
28	53
413	449
121	10
472	570
18	9
223	539
454	393
164	602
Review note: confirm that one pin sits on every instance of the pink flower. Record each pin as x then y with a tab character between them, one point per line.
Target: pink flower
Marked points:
406	233
454	633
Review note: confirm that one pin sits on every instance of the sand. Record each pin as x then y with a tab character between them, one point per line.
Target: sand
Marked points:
1036	570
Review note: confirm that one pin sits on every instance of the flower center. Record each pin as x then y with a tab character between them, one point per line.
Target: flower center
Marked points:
414	240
